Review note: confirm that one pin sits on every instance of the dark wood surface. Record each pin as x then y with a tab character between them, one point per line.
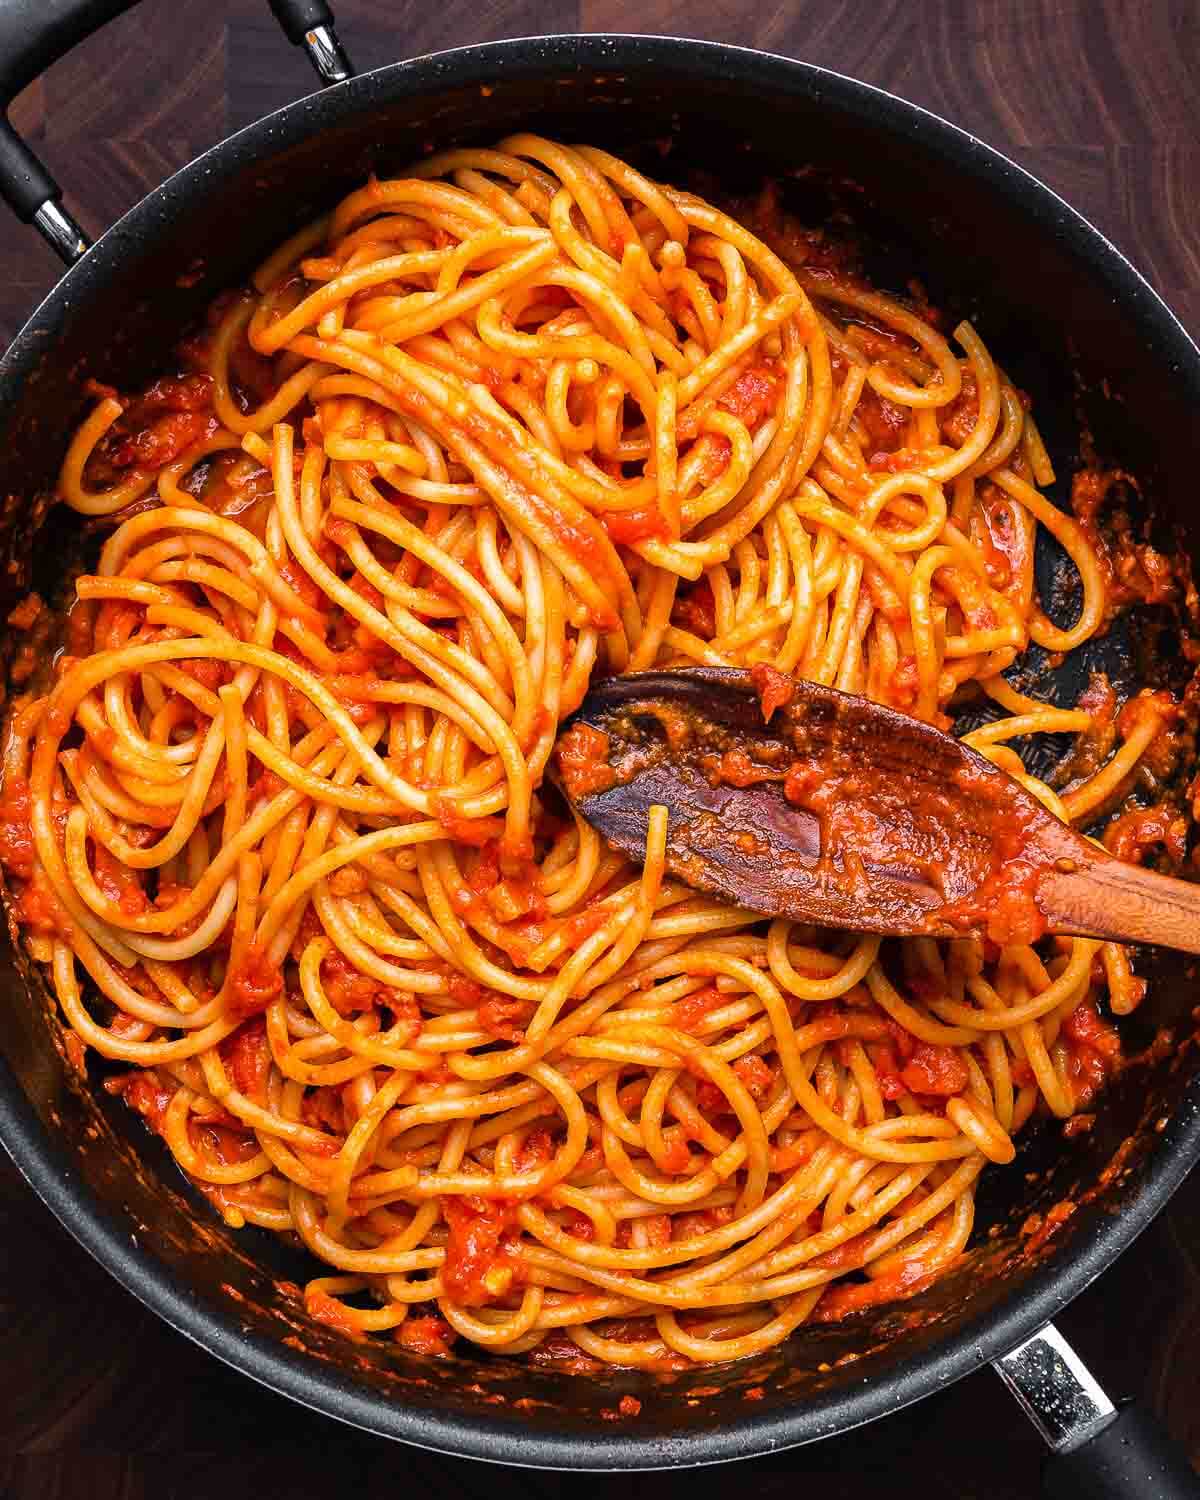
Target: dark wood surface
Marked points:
100	1401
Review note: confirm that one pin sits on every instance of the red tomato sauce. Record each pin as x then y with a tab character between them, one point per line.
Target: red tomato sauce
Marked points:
1140	830
432	1336
1133	569
16	832
145	1092
696	611
157	426
247	1059
504	1017
1094	1051
688	1014
935	1070
637	525
582	754
735	768
1004	904
478	831
906	1280
255	984
328	1310
774	689
482	1250
884	423
959	418
118	882
753	394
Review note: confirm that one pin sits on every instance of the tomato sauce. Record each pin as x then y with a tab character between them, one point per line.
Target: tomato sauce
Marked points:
711	1102
482	1250
714	451
1094	1051
559	1352
145	1092
501	1016
689	1013
753	394
1133	569
959	417
796	243
118	882
935	1070
582	754
774	689
1006	544
1135	833
221	1140
637	525
16	831
478	831
157	426
676	1159
1039	1229
1004	903
756	1074
735	768
350	991
909	1278
584	923
328	1310
485	874
26	614
321	1109
255	984
884	423
247	1058
432	1336
788	1158
504	1016
696	611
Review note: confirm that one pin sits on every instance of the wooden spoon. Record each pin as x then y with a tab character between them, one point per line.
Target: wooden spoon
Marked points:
831	809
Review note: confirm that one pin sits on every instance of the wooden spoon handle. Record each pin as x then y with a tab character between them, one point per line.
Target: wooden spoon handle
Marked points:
1110	899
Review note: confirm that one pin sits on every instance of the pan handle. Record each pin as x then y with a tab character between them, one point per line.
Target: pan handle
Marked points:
36	33
1098	1451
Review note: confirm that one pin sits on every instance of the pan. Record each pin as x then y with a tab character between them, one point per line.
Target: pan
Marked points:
1074	324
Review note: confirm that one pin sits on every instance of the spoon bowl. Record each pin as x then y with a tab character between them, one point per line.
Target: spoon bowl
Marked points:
793	799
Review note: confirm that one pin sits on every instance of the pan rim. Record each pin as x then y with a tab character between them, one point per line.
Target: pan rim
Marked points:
42	1158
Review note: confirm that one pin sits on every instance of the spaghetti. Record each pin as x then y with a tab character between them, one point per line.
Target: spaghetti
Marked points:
280	830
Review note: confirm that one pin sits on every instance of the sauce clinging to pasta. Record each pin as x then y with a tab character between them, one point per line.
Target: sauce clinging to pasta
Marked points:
279	831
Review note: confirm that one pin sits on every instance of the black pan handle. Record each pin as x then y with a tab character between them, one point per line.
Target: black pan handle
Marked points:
1130	1459
36	33
1098	1451
309	24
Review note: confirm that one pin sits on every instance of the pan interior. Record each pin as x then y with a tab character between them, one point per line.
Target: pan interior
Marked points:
723	121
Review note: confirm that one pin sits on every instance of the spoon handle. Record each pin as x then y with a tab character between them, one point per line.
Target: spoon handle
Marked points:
1107	898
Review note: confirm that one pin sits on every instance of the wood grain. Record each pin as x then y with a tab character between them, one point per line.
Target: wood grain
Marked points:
99	1400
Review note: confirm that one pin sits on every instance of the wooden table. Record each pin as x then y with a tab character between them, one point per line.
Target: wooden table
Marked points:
100	1401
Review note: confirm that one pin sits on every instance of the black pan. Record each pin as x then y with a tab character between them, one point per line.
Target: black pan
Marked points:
1062	309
